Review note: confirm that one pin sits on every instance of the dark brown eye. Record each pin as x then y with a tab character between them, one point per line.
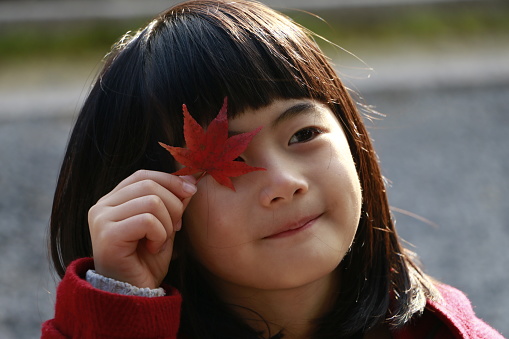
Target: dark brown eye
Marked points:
304	135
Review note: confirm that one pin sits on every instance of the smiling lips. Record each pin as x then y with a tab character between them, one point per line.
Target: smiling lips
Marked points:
293	228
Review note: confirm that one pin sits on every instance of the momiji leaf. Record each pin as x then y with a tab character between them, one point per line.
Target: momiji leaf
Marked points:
211	151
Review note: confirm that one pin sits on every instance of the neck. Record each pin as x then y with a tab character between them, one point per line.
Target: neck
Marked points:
292	310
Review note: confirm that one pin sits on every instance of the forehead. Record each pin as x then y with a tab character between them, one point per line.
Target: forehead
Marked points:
280	111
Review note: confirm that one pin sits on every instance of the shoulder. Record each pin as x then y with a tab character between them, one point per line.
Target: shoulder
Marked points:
449	317
455	310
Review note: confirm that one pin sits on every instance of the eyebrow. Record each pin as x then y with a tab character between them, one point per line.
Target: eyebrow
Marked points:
295	110
289	113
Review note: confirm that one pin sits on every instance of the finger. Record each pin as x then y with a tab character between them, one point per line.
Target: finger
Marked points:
124	236
169	206
147	226
182	187
139	189
151	204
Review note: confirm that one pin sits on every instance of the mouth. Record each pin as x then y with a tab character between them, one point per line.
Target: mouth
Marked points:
294	228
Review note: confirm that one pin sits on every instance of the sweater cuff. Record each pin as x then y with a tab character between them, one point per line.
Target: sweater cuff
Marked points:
87	312
118	287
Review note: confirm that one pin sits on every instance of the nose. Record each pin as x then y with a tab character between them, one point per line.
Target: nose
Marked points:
282	183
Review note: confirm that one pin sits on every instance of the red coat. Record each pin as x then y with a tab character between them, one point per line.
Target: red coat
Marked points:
84	312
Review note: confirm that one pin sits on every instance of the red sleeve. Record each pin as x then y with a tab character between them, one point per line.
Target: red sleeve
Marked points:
82	311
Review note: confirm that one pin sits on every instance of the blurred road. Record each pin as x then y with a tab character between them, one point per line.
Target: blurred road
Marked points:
51	10
444	145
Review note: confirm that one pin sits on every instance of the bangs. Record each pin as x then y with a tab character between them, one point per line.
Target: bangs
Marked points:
198	56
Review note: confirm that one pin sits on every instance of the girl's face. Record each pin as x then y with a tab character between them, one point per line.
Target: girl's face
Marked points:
291	224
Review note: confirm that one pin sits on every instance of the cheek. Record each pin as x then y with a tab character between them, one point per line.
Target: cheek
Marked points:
341	162
351	189
213	241
345	192
210	220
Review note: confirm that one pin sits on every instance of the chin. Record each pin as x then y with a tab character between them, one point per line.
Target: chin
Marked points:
299	275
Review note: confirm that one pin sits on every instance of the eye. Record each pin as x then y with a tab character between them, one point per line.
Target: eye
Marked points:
305	135
238	159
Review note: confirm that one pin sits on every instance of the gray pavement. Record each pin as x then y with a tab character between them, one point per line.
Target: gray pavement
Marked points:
444	146
52	10
446	152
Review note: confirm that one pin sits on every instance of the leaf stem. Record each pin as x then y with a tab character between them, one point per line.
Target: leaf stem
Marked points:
201	176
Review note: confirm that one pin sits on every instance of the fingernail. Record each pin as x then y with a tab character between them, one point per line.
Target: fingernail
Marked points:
178	226
188	187
189	178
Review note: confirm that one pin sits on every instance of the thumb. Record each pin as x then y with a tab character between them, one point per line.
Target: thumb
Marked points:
192	180
185	201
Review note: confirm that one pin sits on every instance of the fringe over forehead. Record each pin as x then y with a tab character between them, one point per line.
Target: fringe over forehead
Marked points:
201	51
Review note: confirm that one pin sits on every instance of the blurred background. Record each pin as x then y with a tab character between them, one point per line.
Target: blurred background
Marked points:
433	74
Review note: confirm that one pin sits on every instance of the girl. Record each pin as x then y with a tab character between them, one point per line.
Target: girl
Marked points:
305	248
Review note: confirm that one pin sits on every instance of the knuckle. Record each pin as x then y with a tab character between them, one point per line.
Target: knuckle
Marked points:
91	212
148	219
102	240
99	227
152	202
141	174
179	205
93	215
147	185
105	234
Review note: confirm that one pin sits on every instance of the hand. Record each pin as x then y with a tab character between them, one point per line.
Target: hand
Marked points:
133	227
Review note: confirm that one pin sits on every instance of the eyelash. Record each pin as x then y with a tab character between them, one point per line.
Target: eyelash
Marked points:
315	131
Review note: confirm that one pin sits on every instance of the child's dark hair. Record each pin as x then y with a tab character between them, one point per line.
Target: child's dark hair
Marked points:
198	53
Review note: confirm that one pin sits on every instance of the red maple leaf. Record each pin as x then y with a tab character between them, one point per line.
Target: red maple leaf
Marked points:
212	152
